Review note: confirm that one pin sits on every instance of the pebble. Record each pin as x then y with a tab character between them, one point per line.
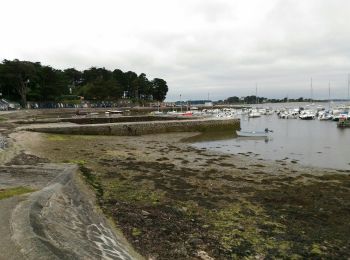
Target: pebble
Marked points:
145	213
204	255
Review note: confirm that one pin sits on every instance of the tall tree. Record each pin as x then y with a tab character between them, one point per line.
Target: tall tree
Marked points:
159	89
19	74
22	80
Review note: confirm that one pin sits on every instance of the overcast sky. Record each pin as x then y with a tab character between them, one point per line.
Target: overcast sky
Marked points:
220	47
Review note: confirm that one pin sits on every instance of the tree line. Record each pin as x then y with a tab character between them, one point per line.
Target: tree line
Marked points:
31	81
258	100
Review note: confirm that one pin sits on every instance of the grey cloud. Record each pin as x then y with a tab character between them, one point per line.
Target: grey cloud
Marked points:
294	41
213	10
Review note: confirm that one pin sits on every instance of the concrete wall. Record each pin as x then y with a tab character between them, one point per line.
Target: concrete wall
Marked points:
141	128
101	120
120	119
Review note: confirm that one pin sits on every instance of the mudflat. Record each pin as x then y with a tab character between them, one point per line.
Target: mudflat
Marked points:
173	201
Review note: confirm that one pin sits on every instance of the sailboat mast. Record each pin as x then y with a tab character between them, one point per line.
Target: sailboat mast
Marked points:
311	94
329	95
348	86
256	93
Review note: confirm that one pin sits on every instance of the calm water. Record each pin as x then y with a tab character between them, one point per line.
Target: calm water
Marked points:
309	142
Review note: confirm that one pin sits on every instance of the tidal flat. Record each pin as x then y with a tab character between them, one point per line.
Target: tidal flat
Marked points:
174	201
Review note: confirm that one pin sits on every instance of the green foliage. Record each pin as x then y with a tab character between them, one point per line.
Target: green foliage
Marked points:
233	100
159	89
22	80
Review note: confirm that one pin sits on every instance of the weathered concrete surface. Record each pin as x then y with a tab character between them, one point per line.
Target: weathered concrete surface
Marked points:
58	221
8	249
101	120
139	128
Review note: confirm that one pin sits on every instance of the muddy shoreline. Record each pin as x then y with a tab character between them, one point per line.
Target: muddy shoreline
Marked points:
173	201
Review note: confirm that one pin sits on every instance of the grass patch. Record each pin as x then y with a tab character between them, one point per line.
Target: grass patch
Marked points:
76	161
8	193
57	138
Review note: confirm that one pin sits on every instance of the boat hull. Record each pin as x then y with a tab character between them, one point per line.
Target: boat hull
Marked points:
251	134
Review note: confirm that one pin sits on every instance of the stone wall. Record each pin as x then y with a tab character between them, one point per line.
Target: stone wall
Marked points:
120	119
101	120
141	128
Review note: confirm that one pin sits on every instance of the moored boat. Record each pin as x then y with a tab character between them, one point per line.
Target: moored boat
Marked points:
343	122
254	113
252	133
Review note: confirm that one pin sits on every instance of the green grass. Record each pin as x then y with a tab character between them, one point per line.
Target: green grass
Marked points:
8	193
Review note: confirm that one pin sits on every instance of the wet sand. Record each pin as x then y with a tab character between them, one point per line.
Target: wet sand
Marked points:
173	201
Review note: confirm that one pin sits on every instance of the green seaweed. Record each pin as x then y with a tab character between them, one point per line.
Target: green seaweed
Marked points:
10	192
127	192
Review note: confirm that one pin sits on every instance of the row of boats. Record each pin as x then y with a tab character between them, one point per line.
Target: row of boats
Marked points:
307	113
341	114
319	113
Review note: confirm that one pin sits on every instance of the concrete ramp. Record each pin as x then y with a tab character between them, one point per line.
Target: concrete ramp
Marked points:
60	221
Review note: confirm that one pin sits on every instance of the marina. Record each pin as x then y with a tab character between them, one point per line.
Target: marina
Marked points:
315	142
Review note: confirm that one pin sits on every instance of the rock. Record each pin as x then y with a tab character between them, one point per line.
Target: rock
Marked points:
195	241
204	255
180	250
145	213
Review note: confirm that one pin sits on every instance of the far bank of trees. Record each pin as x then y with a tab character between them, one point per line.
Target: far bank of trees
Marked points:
31	81
258	100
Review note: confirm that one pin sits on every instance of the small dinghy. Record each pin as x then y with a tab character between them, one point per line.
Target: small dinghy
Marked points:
264	133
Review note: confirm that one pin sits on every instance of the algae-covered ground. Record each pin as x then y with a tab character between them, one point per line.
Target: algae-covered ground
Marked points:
15	191
173	201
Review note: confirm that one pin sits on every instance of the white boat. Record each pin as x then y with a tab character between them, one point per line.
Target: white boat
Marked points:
254	113
252	133
114	112
307	115
157	113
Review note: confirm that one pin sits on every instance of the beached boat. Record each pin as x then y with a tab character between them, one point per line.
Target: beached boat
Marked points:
252	133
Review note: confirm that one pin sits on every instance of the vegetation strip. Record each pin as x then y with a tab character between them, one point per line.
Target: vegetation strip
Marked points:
8	193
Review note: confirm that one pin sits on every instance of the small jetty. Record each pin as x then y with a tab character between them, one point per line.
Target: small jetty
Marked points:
136	126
